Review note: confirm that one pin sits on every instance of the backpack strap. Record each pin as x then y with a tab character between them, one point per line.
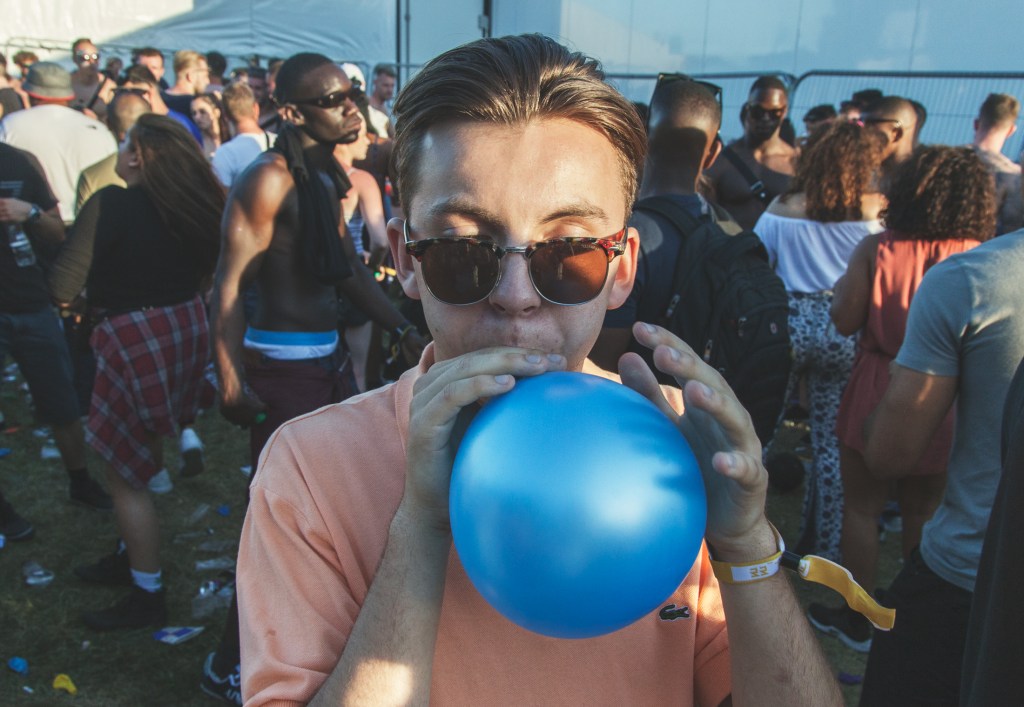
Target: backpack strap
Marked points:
757	187
686	266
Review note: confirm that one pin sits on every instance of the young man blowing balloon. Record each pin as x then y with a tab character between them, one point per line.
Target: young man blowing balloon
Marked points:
350	591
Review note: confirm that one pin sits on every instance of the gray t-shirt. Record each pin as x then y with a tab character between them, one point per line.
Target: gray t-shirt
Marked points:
967	320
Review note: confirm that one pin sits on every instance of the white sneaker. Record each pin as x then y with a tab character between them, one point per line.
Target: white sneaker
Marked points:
161	483
191	453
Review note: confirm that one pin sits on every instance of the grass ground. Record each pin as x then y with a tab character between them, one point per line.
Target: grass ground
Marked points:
42	626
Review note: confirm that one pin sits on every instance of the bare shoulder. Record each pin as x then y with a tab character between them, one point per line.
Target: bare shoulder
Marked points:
792	206
872	205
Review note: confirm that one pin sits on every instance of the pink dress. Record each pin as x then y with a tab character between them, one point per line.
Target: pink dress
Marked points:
899	267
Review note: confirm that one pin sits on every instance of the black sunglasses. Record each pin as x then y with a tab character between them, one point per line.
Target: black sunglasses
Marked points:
715	89
759	112
121	90
465	270
331	100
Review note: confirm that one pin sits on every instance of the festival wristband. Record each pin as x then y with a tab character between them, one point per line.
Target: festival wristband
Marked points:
746	572
812	569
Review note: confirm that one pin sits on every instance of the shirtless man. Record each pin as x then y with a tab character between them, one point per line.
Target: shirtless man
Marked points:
86	80
766	155
290	348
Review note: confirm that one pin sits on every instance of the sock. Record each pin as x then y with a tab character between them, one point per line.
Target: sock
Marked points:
78	476
149	581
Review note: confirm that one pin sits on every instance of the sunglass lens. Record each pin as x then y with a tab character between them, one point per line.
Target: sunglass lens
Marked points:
460	271
568	272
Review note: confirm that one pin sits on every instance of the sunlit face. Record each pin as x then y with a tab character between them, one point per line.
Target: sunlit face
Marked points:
764	113
383	87
200	76
86	55
335	125
516	185
154	64
204	114
128	165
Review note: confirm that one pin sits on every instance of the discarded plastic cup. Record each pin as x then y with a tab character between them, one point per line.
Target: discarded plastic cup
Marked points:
197	515
217	563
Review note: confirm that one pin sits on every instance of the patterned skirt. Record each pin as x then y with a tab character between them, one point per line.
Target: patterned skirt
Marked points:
149	379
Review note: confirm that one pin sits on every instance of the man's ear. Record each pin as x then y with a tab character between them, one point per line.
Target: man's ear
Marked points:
292	114
405	270
1013	129
625	270
713	153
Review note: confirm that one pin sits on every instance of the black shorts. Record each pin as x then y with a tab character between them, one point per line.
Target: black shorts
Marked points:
36	342
919	661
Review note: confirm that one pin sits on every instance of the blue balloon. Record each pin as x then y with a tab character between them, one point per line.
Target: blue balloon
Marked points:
576	506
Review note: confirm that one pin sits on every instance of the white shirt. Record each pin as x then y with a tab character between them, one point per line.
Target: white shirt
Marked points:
64	141
237	153
379	120
808	255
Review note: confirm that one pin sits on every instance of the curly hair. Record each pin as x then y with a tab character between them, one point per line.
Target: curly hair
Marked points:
836	170
940	193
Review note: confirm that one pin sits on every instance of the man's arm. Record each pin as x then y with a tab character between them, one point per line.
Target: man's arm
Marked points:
371	206
899	431
365	292
775	658
246	231
47	230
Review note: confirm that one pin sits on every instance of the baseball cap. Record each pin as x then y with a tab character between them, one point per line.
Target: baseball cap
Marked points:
47	79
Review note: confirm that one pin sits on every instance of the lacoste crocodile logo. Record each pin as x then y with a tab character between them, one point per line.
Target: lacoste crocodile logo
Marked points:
671	613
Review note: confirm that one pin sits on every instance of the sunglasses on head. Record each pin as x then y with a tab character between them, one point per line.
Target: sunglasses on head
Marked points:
874	121
715	89
465	270
331	100
120	91
759	112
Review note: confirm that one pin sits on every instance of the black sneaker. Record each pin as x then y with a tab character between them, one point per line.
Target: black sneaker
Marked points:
12	525
89	493
227	688
138	609
112	569
844	623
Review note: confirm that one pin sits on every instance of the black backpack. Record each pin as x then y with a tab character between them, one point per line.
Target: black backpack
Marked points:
728	304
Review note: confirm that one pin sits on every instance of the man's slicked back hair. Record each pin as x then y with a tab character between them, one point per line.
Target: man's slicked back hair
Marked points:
293	72
998	109
512	81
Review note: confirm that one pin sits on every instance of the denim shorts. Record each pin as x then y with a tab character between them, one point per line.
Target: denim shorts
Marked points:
36	342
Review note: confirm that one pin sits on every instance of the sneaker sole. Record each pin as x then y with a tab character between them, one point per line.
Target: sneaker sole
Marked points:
192	463
859	646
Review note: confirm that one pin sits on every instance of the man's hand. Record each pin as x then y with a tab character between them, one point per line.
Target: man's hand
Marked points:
721	434
243	409
436	421
14	210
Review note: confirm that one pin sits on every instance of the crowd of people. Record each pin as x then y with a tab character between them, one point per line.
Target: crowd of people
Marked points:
307	235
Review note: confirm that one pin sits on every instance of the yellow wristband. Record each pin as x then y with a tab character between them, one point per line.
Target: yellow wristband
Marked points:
746	572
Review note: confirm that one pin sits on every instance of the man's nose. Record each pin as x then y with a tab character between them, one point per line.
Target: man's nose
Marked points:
515	294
